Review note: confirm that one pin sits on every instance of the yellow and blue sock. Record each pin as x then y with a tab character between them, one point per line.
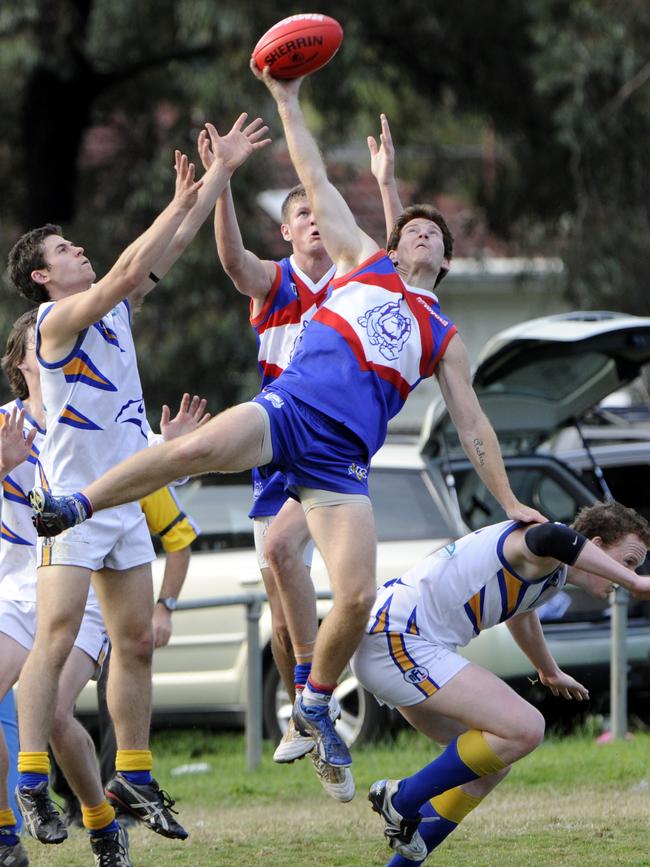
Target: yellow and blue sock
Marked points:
448	811
34	768
99	820
467	757
8	835
134	765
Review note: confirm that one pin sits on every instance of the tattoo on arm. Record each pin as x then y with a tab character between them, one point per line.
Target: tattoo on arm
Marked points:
478	445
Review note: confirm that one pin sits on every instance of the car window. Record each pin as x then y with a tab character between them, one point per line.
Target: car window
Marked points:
554	378
220	504
531	485
404	508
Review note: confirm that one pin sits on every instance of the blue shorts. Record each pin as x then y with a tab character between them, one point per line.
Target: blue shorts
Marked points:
269	494
311	449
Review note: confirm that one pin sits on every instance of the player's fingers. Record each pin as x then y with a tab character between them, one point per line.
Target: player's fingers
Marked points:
372	145
164	415
253	125
185	403
253	68
257	134
205	418
385	129
31	436
202	403
238	125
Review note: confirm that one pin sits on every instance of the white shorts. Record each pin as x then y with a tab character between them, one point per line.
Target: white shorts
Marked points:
401	670
260	530
18	621
115	538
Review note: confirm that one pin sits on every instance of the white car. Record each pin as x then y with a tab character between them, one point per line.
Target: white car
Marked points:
201	675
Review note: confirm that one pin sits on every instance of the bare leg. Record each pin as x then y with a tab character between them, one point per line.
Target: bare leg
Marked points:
73	747
126	600
479	700
228	443
285	546
62	592
442	730
280	640
13	656
345	536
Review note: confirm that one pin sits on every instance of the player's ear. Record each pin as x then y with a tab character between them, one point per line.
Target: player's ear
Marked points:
286	232
597	540
393	257
41	277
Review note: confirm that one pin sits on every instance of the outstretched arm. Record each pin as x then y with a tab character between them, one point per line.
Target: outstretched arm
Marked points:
232	150
345	242
527	632
382	165
476	434
251	275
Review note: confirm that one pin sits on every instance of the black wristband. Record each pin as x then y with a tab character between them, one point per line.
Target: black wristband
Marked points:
555	540
154	277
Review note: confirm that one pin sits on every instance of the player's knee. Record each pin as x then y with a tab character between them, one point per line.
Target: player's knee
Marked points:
56	642
358	603
531	733
135	644
281	554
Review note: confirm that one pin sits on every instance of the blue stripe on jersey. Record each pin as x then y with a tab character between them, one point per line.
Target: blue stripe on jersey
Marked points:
81	369
512	590
412	625
74	418
11	490
14	538
381	618
108	334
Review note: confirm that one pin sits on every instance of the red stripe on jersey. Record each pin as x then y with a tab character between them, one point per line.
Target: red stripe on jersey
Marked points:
353	275
270	370
268	301
441	351
333	320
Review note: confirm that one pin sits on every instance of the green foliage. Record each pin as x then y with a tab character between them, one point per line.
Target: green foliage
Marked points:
96	94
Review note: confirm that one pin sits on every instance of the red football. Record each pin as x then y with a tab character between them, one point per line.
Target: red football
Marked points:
298	45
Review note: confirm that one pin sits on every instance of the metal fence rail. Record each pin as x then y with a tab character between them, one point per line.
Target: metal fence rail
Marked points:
254	715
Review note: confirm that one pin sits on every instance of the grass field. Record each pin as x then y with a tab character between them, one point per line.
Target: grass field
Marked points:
573	802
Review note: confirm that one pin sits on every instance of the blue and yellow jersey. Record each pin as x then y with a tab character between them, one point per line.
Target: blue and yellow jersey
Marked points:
166	519
460	590
93	403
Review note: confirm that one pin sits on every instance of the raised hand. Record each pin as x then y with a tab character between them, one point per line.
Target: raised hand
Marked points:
282	89
187	188
190	416
205	149
14	445
382	158
525	514
234	148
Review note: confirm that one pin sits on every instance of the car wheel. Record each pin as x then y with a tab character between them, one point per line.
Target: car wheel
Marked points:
362	718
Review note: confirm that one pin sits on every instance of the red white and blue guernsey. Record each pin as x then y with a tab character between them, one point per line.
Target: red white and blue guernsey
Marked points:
291	302
366	348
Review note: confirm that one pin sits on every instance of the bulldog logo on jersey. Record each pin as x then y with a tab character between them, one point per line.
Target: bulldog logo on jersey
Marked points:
387	329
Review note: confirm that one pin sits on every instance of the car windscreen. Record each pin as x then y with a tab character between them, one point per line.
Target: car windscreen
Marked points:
404	508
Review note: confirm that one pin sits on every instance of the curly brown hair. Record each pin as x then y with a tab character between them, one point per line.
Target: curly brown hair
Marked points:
15	352
612	522
26	256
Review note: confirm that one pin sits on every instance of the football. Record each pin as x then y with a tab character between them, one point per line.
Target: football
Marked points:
298	45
